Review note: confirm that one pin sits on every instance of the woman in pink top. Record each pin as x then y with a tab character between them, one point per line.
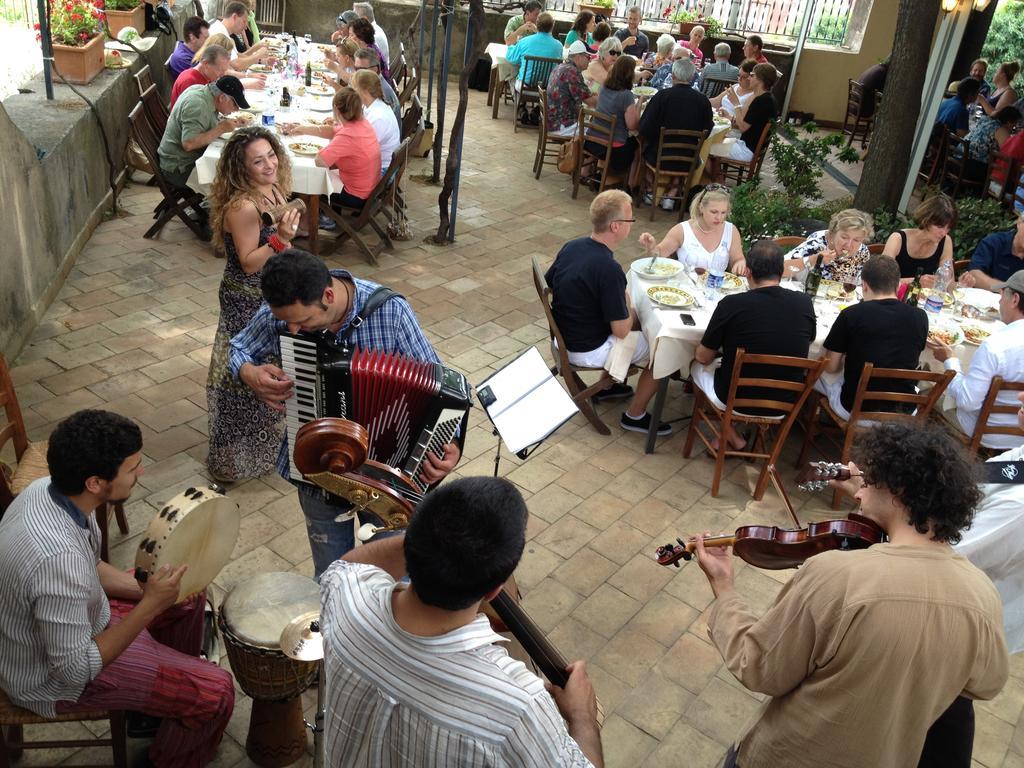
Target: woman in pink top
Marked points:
693	46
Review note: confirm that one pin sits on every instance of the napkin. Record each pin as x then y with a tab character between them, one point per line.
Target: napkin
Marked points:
621	356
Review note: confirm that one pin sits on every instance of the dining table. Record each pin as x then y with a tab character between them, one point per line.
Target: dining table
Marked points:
311	105
501	71
673	343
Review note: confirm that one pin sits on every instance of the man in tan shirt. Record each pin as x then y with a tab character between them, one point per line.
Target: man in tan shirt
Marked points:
862	651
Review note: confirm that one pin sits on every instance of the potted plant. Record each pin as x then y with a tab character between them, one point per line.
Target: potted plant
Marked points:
124	13
77	43
689	19
597	7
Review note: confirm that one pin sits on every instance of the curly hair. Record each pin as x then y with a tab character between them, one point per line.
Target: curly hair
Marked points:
88	444
231	185
927	472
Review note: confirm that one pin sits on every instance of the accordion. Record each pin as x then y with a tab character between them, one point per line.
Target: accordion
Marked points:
408	407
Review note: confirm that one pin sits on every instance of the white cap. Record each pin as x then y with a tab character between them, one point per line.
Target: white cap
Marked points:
577	47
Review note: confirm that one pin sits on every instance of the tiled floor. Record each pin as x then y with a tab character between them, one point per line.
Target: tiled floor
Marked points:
131	332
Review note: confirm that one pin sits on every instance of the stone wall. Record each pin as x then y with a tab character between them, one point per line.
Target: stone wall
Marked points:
56	183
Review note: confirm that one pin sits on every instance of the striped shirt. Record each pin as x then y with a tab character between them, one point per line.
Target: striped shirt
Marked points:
392	328
396	699
51	599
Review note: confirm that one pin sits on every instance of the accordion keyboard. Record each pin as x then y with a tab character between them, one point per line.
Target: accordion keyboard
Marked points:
298	356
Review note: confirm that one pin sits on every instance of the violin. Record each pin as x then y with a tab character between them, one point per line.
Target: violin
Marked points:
774	548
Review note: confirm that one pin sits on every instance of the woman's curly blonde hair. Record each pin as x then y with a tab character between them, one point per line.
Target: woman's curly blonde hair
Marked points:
231	185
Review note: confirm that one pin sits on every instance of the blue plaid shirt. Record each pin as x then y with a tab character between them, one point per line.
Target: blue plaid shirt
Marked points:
392	328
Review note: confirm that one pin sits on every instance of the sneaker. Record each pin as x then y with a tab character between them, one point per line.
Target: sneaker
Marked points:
614	392
668	204
327	223
643	424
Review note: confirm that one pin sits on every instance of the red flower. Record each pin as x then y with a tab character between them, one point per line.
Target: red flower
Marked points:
35	26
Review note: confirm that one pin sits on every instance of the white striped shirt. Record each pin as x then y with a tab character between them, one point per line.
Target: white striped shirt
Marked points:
397	699
51	600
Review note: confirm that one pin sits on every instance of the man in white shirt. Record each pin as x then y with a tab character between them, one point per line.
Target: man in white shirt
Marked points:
233	23
1001	354
380	37
414	676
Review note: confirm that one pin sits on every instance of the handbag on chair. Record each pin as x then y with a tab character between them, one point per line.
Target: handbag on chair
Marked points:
569	155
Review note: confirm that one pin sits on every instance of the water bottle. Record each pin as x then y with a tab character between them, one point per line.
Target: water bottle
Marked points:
268	117
943	282
716	274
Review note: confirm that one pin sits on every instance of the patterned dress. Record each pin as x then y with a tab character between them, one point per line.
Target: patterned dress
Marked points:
245	434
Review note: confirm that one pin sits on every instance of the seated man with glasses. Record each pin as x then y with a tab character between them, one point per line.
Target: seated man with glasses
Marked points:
591	303
367	58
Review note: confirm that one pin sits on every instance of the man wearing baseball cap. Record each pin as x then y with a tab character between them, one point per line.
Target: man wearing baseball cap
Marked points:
567	91
1001	354
195	121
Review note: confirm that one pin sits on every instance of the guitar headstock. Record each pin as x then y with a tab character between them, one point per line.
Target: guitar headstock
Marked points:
818	473
671	554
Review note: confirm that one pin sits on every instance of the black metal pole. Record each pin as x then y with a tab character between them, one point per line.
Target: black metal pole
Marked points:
44	34
462	133
442	88
433	54
419	51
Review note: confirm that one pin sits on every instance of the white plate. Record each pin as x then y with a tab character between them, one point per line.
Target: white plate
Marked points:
664	269
955	330
319	104
667	296
980	298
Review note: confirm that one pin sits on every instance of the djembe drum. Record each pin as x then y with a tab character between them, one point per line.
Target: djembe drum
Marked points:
251	620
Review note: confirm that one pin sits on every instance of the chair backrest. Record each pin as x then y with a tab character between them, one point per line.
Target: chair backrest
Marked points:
144	79
141	130
761	150
381	194
789	242
854	98
155	110
411	84
990	407
14	429
537	71
270	13
413	117
681	149
907	406
711	86
782	396
599	128
542	96
960	266
876	248
558	348
954	165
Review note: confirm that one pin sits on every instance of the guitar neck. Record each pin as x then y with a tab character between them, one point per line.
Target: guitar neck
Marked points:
550	661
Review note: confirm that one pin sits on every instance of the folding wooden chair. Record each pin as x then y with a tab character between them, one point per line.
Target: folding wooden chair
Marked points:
873	387
578	389
536	71
175	199
734	170
548	146
377	205
156	111
144	79
712	86
678	157
412	82
597	128
30	459
989	408
786	398
855	124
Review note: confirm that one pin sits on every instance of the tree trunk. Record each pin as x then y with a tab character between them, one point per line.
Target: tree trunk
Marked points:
477	45
888	162
973	41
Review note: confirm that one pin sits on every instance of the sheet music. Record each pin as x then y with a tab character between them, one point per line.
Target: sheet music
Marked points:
529	403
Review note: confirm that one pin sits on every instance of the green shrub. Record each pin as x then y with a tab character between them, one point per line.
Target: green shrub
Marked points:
978	217
759	213
798	160
1005	41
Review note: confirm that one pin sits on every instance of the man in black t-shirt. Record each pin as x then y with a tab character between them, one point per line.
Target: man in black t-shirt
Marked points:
591	305
766	320
881	330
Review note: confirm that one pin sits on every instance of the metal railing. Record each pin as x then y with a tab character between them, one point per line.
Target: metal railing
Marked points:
18	13
776	20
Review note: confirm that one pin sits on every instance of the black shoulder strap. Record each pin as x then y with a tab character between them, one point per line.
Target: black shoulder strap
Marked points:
373	303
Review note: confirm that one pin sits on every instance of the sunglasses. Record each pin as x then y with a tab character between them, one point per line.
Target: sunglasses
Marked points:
614	53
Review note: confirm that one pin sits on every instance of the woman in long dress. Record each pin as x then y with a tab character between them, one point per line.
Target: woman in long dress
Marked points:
254	176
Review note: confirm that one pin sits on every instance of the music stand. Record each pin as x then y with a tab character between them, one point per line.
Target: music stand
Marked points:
525	403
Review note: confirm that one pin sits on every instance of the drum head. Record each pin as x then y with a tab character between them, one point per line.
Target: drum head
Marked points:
258	610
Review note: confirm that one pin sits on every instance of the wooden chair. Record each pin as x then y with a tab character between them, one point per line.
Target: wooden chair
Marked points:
960	266
13	719
955	167
548	146
156	111
789	242
934	155
412	82
536	71
596	128
991	408
1001	179
876	248
680	150
738	409
398	66
854	124
873	388
412	120
270	13
377	206
144	79
175	199
712	86
733	170
30	459
578	389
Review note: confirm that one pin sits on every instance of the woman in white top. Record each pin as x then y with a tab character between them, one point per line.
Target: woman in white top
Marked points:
738	95
708	231
366	83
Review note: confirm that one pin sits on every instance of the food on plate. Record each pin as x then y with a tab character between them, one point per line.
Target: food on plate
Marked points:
259	68
660	268
975	335
645	90
314	91
945	336
304	147
243	117
669	297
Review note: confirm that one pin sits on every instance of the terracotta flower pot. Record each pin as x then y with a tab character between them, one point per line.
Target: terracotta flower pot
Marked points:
79	64
118	20
686	27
